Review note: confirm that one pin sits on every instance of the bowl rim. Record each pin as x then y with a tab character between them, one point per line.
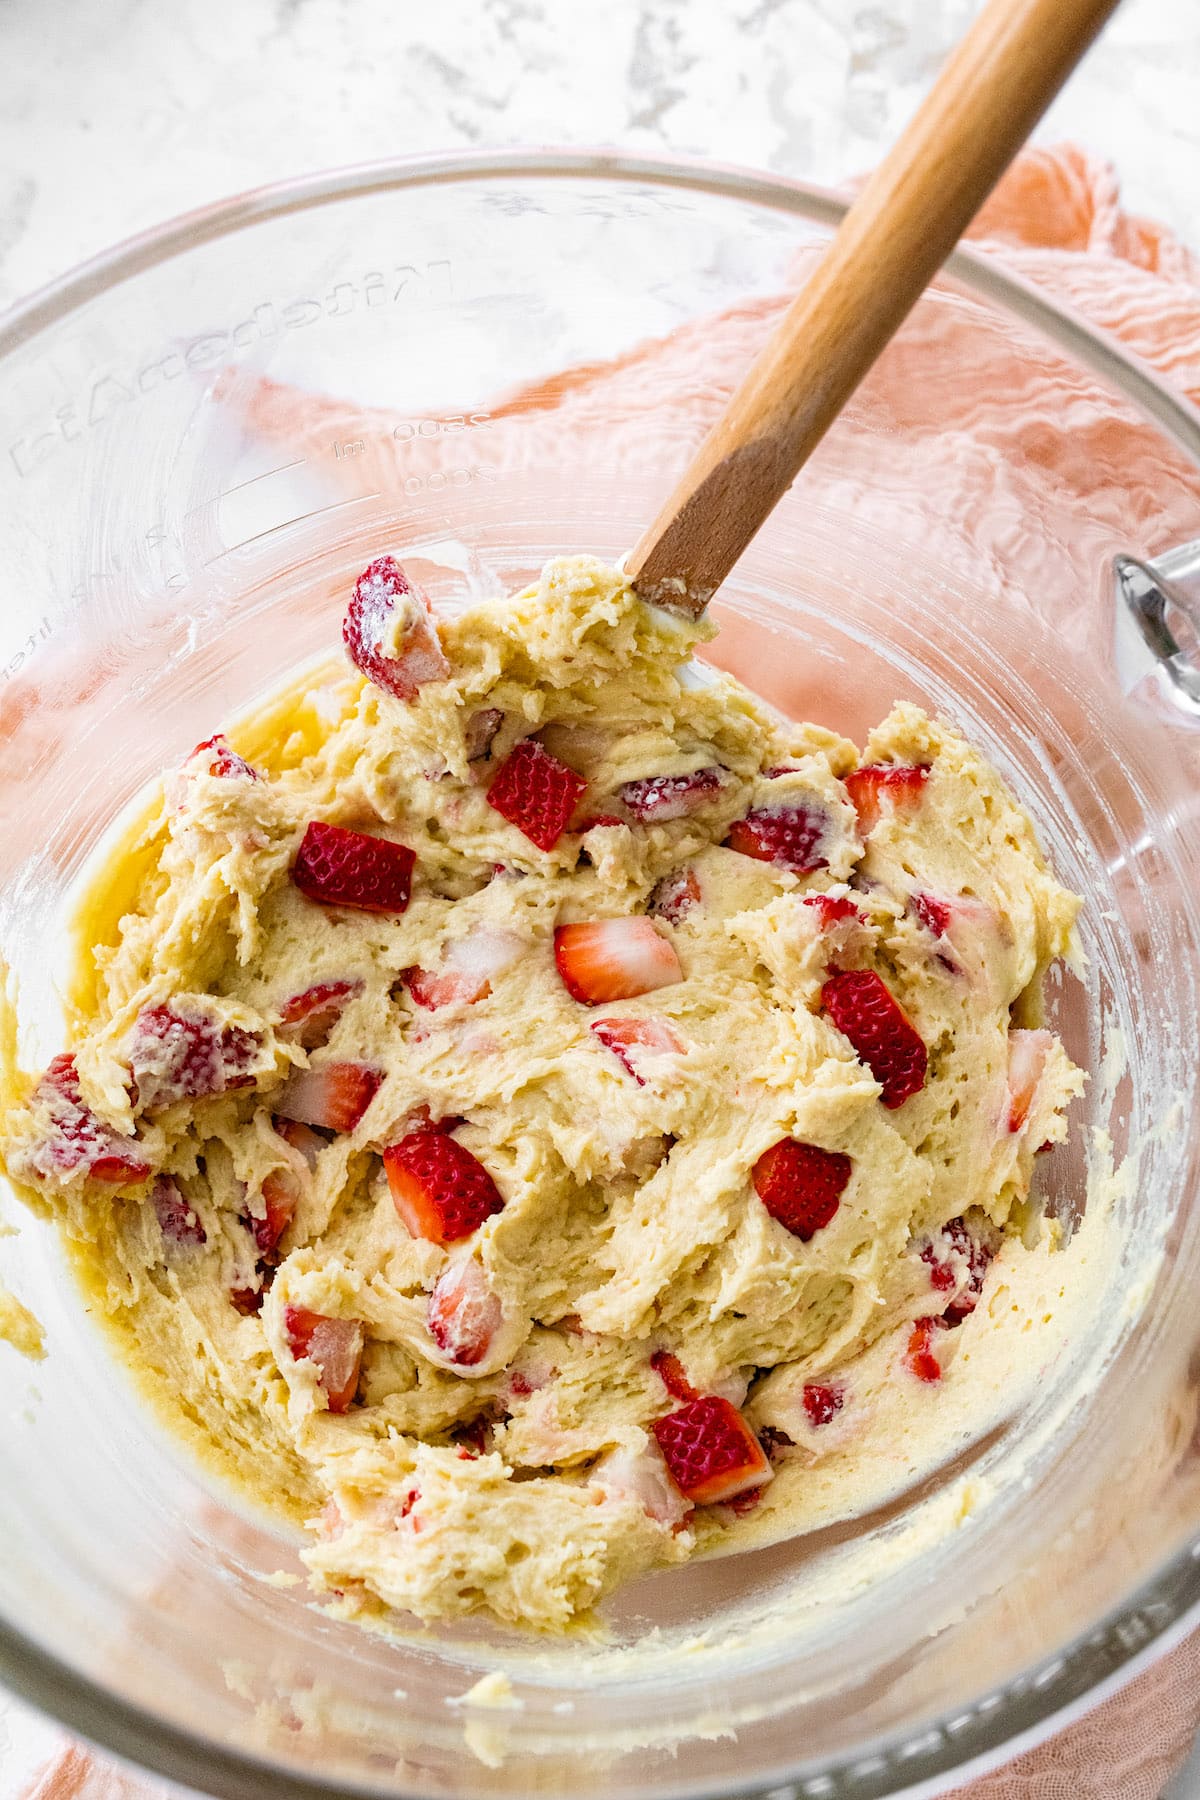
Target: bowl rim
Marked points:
1158	1613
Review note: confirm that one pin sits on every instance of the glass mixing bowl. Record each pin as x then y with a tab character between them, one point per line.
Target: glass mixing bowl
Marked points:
477	363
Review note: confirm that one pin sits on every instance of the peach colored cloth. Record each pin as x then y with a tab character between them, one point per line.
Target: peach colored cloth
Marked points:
1056	219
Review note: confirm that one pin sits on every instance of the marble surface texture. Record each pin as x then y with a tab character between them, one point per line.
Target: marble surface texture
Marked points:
114	116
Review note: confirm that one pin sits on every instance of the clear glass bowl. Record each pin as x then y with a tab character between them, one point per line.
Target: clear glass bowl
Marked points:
477	363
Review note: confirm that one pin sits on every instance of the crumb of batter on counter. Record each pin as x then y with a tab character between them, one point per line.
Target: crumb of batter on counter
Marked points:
532	1115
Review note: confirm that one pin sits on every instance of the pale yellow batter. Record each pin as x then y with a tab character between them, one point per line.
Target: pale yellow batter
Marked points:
470	1426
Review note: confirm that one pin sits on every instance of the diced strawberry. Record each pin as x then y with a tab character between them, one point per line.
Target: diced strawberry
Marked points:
389	631
919	1356
464	1314
334	1345
959	1261
791	837
469	965
823	1400
614	959
223	761
177	1220
670	1370
880	1030
301	1138
710	1450
335	1096
831	908
741	1504
308	1018
625	1037
599	822
659	798
536	793
76	1139
480	732
900	785
280	1198
934	914
801	1185
642	1476
1027	1052
441	1192
339	867
248	1301
180	1052
675	895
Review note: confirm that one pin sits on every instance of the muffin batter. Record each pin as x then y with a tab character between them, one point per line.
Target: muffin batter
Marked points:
533	1105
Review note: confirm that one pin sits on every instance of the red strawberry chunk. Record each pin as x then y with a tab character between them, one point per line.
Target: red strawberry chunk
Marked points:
641	1476
301	1138
335	1096
614	959
223	761
710	1451
334	1345
822	1400
179	1052
464	1314
339	867
625	1037
671	1371
308	1018
919	1357
1027	1052
958	1261
599	822
389	631
662	797
831	908
75	1138
675	895
480	732
899	784
801	1185
441	1192
536	793
792	837
880	1030
934	914
247	1300
469	966
280	1198
177	1220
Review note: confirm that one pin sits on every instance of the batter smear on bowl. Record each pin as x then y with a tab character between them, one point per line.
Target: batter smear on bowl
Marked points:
519	1120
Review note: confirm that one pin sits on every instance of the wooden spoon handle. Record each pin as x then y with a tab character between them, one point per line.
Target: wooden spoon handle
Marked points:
895	237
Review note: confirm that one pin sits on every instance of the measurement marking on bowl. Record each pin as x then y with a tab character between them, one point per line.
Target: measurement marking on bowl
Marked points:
314	513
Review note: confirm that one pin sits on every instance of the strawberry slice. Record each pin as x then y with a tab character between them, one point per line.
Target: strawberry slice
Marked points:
536	793
822	1400
659	798
934	914
880	1030
801	1185
180	1052
339	867
75	1138
675	895
308	1018
791	837
918	1356
480	732
900	785
280	1198
223	761
334	1345
464	1314
832	908
671	1372
335	1096
711	1452
441	1192
642	1476
625	1037
1027	1052
614	959
177	1220
389	631
469	966
301	1138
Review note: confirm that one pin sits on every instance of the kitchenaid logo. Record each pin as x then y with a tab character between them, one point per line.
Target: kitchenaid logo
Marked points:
113	389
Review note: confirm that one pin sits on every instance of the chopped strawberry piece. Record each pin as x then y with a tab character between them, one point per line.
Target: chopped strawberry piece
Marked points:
280	1198
801	1185
469	966
710	1450
248	1301
823	1400
880	1030
480	732
335	1096
1027	1052
301	1138
76	1139
662	797
536	793
958	1260
308	1018
179	1052
177	1220
642	1476
830	908
464	1314
599	822
347	868
389	631
625	1037
791	837
334	1345
919	1356
671	1371
675	895
746	1503
441	1192
223	761
934	914
901	785
614	959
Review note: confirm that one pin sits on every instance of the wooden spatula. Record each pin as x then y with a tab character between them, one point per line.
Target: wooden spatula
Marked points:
895	237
